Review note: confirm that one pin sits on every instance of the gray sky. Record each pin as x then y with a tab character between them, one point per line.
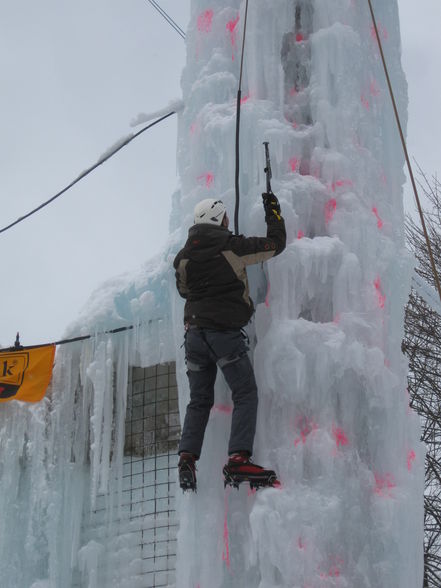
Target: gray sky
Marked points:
73	75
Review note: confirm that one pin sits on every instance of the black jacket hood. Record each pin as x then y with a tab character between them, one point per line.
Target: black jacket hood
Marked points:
205	241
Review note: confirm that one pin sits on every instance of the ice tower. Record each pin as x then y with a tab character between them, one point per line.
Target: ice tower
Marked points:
334	418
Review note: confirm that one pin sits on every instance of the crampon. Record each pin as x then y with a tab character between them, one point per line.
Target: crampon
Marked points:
240	469
187	472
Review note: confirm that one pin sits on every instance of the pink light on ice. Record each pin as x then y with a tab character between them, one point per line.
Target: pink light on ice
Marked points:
231	28
208	178
379	221
294	163
341	184
334	569
384	484
300	234
226	551
380	296
411	456
305	427
382	31
339	436
330	208
193	128
205	21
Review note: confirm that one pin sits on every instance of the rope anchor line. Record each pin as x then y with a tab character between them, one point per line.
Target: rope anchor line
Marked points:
406	154
239	94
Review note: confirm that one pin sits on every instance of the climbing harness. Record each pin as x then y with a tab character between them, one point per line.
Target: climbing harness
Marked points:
239	97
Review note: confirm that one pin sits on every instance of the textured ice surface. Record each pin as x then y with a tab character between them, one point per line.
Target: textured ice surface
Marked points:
334	419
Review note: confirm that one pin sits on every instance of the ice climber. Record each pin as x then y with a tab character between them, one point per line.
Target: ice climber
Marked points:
211	275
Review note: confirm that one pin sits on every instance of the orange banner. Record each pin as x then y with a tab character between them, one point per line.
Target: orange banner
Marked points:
25	374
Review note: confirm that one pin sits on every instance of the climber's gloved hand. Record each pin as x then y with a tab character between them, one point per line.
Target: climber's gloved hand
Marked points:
271	206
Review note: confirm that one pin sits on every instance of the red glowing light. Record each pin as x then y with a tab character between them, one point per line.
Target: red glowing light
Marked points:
293	91
299	37
337	318
339	436
330	208
294	163
205	21
300	234
380	296
244	99
411	456
208	179
379	221
294	124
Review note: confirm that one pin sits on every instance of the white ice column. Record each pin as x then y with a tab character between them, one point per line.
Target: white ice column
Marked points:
334	418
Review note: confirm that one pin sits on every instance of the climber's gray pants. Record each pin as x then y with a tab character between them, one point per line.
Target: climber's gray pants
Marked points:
205	350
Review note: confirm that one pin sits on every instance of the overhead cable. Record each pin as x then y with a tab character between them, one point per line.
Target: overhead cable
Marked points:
168	18
406	154
85	173
79	338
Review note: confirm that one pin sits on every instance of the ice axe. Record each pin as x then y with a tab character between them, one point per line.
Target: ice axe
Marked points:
269	199
267	168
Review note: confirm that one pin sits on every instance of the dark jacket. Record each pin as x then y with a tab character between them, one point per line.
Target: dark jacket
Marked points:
211	273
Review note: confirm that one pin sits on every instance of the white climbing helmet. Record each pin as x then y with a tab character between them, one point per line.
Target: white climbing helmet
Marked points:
209	211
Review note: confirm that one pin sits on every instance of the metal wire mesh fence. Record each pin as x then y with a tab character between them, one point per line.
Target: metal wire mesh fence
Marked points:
149	475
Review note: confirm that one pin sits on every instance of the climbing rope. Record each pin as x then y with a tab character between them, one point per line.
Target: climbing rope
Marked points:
239	97
406	154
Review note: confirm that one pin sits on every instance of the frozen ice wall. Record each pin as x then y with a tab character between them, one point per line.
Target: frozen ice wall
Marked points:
334	418
62	459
